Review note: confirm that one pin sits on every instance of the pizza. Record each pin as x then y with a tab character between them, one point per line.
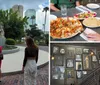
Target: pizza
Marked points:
84	15
65	27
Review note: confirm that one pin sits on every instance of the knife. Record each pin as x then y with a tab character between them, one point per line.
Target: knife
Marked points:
84	8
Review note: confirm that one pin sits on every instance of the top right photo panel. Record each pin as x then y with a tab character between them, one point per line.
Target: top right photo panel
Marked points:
75	20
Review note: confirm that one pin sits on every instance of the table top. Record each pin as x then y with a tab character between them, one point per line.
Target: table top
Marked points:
71	12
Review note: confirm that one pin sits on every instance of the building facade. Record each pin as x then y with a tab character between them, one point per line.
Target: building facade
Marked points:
31	14
19	9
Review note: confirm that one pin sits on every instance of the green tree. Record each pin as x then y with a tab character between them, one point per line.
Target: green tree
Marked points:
13	25
34	31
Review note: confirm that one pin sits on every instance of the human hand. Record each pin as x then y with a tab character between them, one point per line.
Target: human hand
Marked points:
93	37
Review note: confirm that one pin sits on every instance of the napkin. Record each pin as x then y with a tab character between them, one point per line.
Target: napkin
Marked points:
82	8
53	17
87	31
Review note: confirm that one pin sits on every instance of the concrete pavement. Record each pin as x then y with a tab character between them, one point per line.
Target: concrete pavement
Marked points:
13	62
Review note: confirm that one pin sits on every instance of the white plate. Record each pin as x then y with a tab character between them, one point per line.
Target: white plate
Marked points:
53	17
93	6
92	26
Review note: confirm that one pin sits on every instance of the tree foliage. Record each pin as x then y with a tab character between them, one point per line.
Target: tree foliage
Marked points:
12	24
34	32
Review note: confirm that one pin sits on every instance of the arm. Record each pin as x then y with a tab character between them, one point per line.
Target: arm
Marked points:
25	58
37	55
93	37
77	3
52	7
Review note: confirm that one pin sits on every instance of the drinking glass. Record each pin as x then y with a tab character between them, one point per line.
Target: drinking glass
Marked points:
63	10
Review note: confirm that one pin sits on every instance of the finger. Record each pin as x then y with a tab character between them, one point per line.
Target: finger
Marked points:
92	39
91	35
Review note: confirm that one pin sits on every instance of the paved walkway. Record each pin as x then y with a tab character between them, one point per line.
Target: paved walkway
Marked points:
42	78
13	62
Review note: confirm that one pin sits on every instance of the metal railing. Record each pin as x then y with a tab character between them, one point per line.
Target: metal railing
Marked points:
93	78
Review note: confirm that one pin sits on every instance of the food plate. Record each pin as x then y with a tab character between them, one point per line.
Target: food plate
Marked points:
93	6
63	28
53	17
83	15
92	22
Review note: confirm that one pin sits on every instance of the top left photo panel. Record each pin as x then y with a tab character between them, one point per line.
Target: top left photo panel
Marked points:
24	42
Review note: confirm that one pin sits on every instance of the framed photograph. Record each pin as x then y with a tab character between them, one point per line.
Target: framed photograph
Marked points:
94	58
70	73
59	60
84	72
62	70
78	50
78	58
85	50
78	65
86	62
55	49
69	63
62	51
70	52
58	72
79	74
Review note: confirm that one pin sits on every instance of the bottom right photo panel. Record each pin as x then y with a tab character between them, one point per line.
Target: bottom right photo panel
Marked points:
75	64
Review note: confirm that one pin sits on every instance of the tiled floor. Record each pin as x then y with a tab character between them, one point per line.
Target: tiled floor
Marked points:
17	79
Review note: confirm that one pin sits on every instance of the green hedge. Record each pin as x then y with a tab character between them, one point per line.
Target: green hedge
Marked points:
10	41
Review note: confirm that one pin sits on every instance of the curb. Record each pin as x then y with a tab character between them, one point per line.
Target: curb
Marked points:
10	51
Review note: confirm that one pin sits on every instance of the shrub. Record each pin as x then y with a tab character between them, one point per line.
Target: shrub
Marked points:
10	41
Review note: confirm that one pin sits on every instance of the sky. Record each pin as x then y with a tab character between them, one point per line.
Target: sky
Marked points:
28	4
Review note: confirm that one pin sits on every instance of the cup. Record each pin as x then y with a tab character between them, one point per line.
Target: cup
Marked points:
63	10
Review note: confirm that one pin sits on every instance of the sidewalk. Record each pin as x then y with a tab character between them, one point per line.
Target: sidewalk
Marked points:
42	78
13	62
